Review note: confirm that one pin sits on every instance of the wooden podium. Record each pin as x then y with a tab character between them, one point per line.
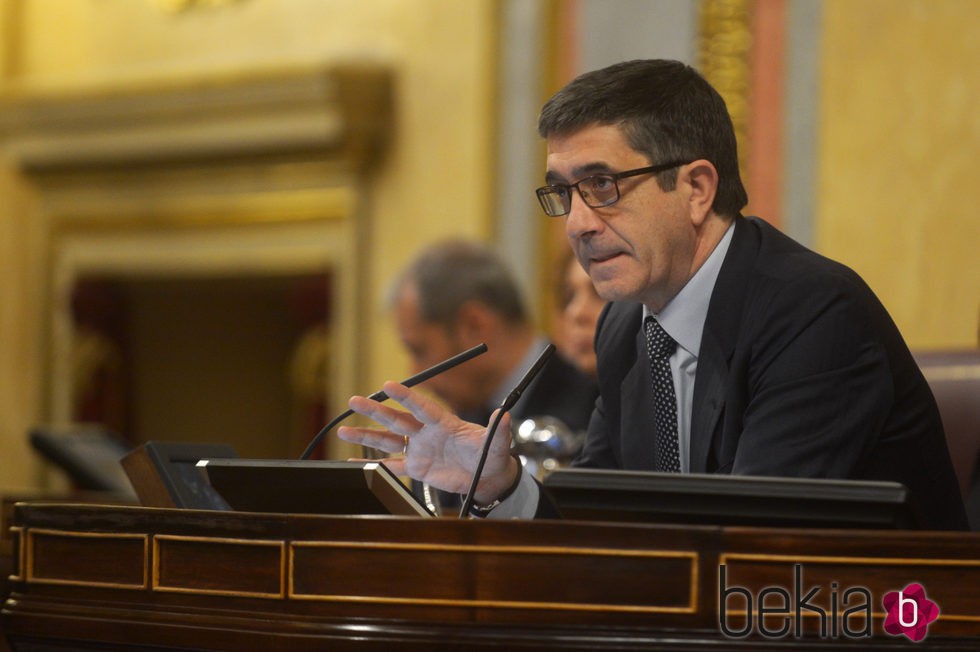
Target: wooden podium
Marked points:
135	578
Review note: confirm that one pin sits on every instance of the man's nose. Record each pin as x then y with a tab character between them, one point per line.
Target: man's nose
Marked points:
581	220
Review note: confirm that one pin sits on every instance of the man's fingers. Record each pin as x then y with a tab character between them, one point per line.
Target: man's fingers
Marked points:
384	440
421	406
397	421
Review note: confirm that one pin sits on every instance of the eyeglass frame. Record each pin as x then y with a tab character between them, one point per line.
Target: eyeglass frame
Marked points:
650	169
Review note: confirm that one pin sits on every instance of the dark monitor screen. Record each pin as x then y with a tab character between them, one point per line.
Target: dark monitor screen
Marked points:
193	486
612	495
88	454
311	487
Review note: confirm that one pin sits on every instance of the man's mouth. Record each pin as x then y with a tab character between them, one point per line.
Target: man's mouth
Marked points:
604	257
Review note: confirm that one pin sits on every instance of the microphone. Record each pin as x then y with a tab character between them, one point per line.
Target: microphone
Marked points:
380	396
507	404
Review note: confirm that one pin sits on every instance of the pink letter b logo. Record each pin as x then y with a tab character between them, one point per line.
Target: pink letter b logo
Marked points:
902	602
909	612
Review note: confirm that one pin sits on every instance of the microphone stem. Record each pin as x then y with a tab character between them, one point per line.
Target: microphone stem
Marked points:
323	431
468	502
380	396
506	406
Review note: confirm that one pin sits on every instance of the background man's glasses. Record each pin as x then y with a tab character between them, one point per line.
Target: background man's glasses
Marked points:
596	191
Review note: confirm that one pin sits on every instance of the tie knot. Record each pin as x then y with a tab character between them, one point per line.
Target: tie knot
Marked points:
659	343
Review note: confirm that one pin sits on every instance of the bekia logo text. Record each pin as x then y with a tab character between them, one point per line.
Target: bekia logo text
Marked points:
777	612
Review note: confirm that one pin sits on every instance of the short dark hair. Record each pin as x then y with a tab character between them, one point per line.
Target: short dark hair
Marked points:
667	111
452	272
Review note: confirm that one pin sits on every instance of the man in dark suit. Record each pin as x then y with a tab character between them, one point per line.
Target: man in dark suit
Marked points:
800	372
457	294
728	347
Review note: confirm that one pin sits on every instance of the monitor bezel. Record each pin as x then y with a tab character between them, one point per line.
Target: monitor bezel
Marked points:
350	488
709	499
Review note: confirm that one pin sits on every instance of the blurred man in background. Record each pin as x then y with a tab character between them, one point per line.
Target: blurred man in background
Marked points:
457	294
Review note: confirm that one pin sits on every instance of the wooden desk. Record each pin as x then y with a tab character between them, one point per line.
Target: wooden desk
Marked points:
7	503
141	578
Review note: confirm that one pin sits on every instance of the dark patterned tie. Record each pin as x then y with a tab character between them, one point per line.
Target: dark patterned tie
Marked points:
660	346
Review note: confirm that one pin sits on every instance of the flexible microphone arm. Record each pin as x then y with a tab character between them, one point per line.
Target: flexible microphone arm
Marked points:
506	406
380	396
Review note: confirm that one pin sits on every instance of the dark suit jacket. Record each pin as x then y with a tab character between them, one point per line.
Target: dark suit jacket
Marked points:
801	373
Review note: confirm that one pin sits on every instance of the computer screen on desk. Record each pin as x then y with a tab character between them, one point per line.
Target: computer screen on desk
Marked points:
88	453
611	495
311	487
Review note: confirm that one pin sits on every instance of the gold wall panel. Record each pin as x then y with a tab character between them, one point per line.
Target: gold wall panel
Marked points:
724	45
899	138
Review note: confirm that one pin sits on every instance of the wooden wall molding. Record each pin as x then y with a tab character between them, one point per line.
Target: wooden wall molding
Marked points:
341	110
257	173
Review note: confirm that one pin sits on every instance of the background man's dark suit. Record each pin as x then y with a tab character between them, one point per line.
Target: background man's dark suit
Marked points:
801	373
560	391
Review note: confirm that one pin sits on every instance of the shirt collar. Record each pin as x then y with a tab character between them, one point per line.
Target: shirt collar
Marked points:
683	317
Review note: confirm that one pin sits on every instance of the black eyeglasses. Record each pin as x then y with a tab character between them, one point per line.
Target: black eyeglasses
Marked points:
596	191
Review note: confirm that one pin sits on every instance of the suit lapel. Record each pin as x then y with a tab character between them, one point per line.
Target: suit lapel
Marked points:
721	328
709	397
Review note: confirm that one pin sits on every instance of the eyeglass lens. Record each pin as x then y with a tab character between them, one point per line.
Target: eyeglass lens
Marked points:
555	201
596	191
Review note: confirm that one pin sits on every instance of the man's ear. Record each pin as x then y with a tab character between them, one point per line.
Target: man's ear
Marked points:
473	322
701	178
